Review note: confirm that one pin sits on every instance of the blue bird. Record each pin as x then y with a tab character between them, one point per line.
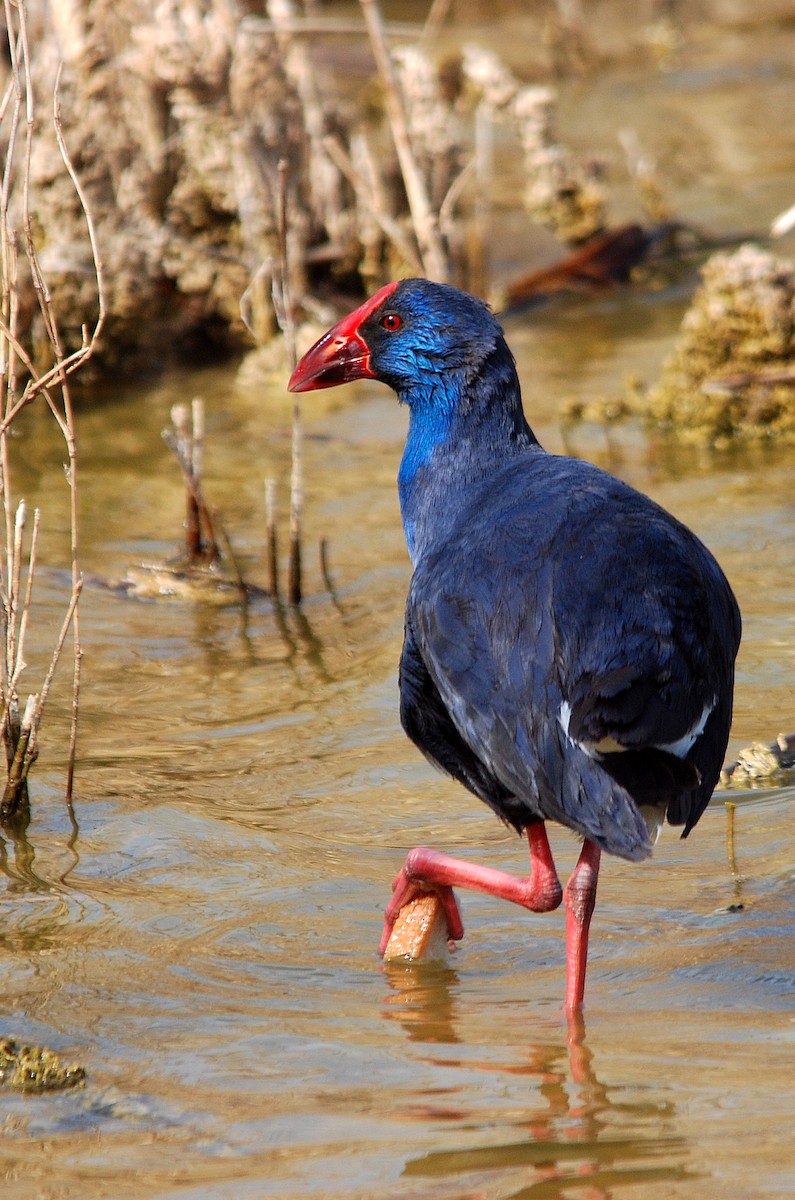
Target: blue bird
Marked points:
569	645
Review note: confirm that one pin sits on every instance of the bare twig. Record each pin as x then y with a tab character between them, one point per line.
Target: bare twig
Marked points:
12	793
322	176
26	750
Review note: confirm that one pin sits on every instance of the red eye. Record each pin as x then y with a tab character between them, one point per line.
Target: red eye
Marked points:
391	321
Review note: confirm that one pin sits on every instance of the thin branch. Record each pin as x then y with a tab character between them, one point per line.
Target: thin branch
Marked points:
313	25
181	443
59	645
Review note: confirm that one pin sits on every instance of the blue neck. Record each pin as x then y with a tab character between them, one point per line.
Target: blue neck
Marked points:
461	431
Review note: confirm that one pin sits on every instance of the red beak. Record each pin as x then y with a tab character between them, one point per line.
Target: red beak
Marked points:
341	354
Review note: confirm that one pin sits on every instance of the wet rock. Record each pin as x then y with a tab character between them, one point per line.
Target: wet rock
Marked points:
761	763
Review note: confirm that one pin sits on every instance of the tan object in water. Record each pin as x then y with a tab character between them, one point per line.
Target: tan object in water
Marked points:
419	932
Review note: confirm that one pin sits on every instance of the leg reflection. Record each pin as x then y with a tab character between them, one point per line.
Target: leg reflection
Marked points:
536	1121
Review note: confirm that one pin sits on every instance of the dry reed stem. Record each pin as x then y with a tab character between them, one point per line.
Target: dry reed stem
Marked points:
322	176
434	259
181	444
285	315
294	582
370	200
205	534
433	22
201	538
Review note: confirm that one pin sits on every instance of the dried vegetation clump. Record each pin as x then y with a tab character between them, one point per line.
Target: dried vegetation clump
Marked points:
732	374
180	117
174	115
36	1069
196	125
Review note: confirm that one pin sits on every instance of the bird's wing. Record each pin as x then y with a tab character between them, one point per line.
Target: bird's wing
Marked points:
496	679
554	640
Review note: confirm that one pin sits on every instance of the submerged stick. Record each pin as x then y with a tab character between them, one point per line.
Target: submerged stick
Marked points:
272	538
419	932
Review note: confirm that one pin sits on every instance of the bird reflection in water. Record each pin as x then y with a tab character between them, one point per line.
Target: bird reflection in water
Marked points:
563	1143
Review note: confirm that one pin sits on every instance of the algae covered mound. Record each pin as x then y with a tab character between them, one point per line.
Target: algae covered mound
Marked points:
36	1069
732	375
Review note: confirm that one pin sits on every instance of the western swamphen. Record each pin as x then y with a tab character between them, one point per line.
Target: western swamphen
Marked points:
569	645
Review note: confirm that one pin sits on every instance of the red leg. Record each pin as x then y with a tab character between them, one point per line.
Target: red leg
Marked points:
580	897
429	871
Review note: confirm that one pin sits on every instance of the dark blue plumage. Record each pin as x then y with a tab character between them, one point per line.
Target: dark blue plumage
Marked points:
569	647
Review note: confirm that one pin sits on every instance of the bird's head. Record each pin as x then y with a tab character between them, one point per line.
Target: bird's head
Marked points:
420	338
444	355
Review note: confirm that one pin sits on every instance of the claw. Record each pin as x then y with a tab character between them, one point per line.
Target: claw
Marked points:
405	889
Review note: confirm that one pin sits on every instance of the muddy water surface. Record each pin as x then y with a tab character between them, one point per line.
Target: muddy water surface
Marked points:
205	942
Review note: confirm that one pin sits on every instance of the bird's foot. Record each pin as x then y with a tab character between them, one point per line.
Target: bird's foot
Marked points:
409	885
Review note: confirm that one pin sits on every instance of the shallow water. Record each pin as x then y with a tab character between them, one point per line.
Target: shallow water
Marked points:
205	944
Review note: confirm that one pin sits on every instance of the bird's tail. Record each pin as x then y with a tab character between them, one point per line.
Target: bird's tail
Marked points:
615	789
